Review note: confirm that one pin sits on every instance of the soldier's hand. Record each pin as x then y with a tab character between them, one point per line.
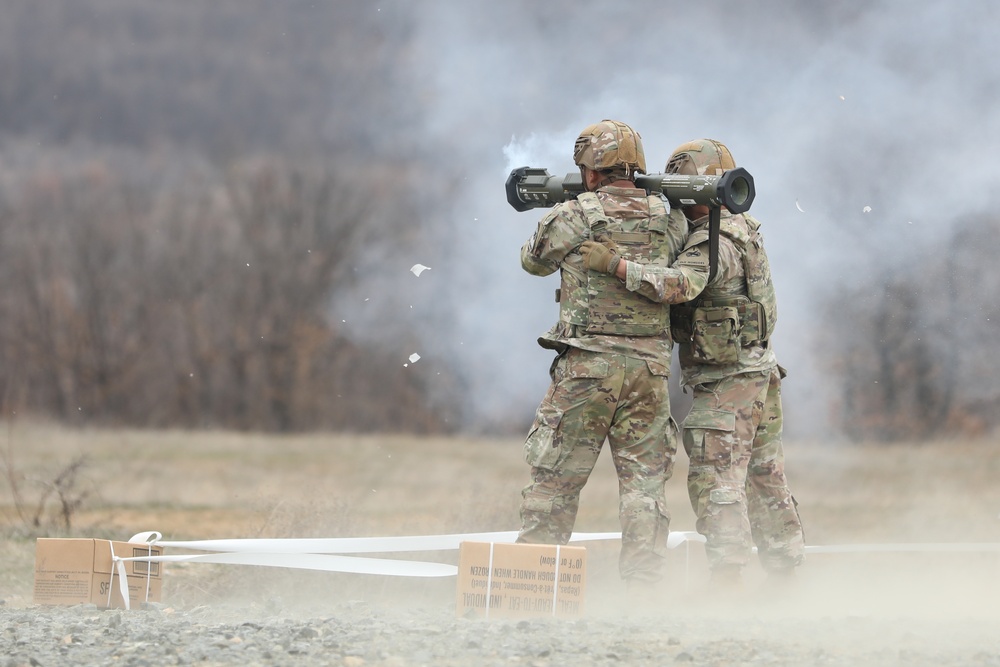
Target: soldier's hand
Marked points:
601	257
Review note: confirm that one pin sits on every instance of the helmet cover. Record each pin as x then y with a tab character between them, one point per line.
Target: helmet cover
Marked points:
610	145
702	157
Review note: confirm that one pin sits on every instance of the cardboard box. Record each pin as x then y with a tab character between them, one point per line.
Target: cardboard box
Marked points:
75	571
520	580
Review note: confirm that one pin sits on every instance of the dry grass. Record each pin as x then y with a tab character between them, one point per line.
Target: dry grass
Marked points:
196	485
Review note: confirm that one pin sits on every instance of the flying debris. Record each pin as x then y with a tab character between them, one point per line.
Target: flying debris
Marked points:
414	358
799	206
417	269
866	209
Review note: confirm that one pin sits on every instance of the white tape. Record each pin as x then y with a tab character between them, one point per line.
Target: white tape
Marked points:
349	545
323	553
118	566
489	582
315	553
967	547
677	538
325	562
555	583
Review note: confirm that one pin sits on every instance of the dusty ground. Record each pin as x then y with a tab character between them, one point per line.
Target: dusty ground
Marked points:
874	608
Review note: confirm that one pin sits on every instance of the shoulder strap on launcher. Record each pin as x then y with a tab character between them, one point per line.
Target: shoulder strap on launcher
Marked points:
714	220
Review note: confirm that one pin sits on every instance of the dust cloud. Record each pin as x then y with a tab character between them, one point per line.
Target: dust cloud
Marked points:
865	127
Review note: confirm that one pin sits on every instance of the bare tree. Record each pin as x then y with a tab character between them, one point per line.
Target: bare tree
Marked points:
197	305
155	274
912	352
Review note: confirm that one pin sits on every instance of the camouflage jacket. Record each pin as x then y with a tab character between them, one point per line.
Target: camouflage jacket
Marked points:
730	280
555	246
687	280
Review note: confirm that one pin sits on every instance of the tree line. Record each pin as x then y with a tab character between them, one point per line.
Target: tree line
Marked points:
199	304
912	352
183	187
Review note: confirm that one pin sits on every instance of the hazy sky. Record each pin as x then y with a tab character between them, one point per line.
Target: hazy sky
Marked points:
866	125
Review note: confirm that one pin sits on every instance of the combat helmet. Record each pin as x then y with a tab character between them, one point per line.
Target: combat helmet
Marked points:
610	146
701	157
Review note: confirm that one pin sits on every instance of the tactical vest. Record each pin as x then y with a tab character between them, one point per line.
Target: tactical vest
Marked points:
729	316
601	304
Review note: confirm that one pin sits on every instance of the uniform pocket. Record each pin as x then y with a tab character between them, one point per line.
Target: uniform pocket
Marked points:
715	336
658	369
708	437
720	420
724	496
582	364
543	446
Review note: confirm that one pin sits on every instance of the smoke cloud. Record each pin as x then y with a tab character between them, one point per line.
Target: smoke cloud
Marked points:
867	128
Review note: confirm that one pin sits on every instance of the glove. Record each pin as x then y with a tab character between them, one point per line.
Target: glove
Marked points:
601	257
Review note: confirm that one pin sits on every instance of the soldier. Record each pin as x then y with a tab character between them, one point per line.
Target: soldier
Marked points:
609	380
732	434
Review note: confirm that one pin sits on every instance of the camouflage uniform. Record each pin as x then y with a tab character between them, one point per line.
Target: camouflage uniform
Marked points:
732	435
609	380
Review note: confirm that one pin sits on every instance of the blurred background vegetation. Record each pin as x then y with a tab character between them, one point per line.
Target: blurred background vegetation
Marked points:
183	189
186	187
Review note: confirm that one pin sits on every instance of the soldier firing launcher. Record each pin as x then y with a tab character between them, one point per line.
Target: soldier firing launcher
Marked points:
533	187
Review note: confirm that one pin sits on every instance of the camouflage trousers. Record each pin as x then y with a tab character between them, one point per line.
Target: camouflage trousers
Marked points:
736	479
597	396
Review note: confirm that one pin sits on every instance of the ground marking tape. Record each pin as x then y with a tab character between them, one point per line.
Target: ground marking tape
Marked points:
348	545
677	538
555	583
324	553
326	562
489	582
966	547
118	566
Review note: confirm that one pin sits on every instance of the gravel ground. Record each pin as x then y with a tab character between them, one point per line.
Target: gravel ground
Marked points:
847	609
819	623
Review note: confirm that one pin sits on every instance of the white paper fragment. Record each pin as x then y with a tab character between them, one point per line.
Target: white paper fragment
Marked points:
842	98
417	269
799	206
414	358
867	209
